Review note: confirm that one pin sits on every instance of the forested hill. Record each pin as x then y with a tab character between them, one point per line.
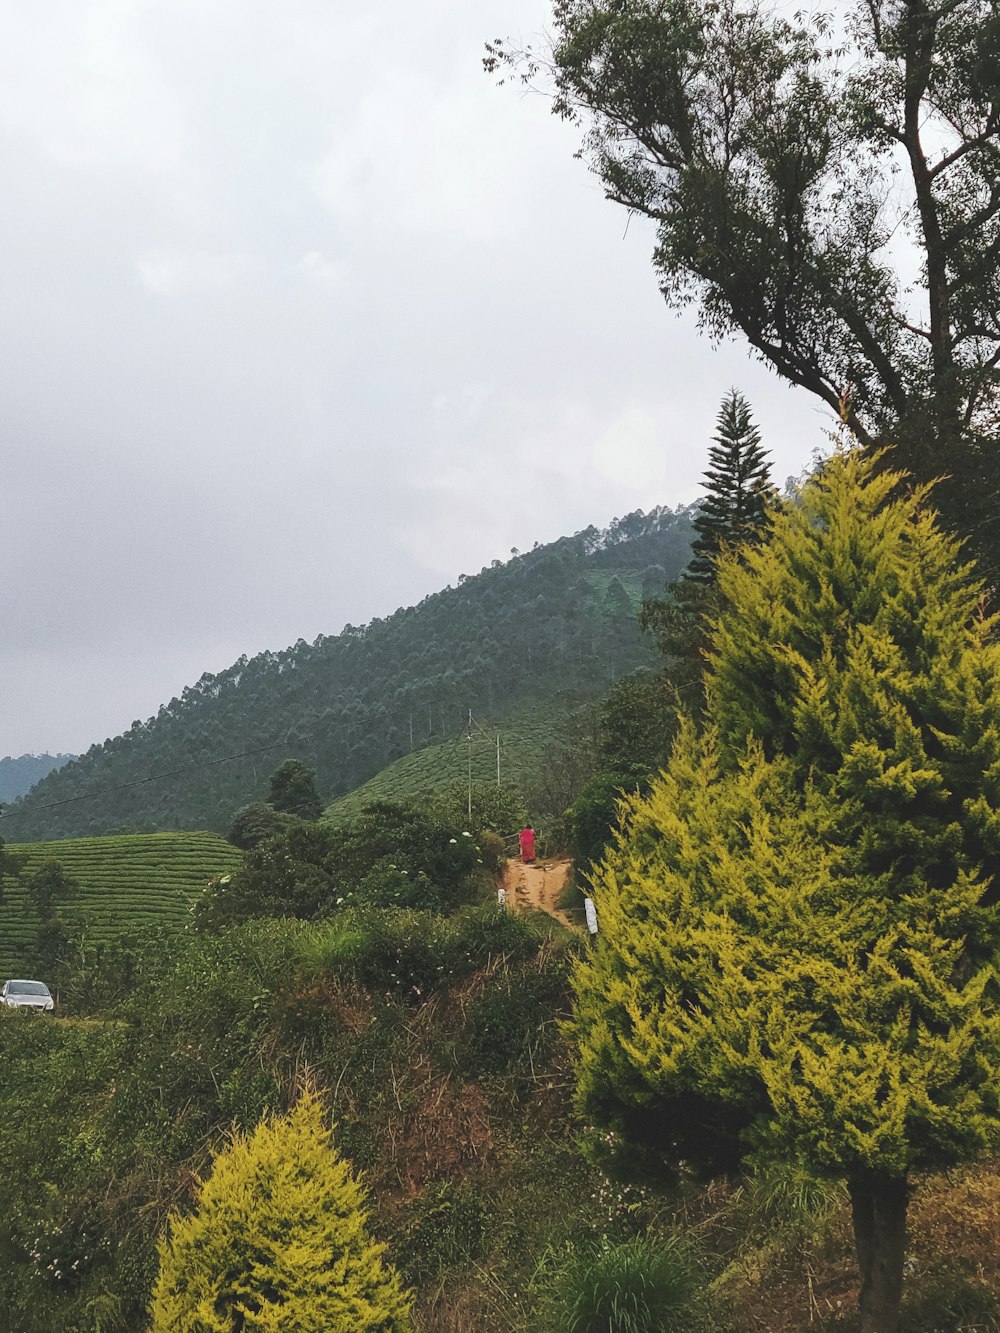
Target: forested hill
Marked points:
19	775
557	621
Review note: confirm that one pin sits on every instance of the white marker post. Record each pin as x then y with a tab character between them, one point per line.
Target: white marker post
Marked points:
591	911
502	899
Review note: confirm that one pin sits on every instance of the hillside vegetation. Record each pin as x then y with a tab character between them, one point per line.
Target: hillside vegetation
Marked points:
442	768
18	776
557	620
126	883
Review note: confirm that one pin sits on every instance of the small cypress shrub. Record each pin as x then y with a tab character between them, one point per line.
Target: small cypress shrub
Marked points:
277	1242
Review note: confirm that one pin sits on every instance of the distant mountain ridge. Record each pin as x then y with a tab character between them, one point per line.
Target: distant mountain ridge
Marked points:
556	621
18	776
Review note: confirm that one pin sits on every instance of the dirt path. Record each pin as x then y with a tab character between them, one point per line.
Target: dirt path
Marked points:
538	886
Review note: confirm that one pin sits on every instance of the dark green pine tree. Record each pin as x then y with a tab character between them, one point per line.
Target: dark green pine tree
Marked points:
738	485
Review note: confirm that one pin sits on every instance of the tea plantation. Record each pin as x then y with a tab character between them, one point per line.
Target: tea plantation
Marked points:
125	883
527	741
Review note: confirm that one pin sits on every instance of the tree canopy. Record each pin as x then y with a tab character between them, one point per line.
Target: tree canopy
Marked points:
798	948
293	790
825	186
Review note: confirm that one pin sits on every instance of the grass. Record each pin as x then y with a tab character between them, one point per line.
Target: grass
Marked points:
642	1285
125	882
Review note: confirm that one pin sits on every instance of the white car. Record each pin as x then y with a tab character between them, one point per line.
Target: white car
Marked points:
27	995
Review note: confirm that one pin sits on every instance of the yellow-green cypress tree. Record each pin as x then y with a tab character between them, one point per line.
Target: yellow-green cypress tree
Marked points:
798	949
277	1242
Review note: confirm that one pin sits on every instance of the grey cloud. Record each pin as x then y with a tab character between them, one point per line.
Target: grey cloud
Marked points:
299	307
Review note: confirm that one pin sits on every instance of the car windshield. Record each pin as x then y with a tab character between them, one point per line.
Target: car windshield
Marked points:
27	988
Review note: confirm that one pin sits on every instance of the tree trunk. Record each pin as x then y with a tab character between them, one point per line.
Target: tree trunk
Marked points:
878	1209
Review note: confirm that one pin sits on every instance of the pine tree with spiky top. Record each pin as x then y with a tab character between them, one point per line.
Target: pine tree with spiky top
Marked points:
738	485
732	516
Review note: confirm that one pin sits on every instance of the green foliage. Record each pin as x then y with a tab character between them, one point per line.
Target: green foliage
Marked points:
277	1241
950	1300
255	822
492	851
784	1198
293	790
680	624
534	633
48	887
499	808
510	1026
731	517
440	771
855	644
870	1006
391	855
738	490
6	866
593	816
638	719
410	955
446	1227
643	1285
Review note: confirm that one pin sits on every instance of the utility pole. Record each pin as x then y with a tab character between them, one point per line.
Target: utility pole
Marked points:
470	763
498	760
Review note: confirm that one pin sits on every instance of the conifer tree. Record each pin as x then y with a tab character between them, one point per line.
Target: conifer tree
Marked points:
732	515
277	1242
798	943
737	485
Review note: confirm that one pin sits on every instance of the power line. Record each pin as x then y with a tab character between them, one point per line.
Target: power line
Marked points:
139	782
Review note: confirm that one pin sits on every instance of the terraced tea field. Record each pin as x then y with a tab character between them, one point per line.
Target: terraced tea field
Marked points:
126	882
437	769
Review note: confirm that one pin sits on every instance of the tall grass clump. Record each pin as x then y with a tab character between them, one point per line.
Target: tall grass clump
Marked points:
642	1285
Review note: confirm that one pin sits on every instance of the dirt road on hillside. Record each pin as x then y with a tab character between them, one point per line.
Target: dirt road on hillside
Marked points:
538	886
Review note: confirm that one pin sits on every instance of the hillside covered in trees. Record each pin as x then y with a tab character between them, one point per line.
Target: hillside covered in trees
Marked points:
557	622
18	776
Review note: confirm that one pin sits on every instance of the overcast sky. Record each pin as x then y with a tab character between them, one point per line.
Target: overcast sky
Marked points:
303	317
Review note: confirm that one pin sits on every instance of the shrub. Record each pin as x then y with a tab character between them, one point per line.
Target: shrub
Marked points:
392	855
501	809
512	1022
277	1241
446	1227
948	1300
492	851
643	1285
594	814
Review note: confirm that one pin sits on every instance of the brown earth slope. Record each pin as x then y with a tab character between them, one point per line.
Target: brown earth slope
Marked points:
538	886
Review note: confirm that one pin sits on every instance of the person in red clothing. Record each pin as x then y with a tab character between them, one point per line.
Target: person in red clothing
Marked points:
527	840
